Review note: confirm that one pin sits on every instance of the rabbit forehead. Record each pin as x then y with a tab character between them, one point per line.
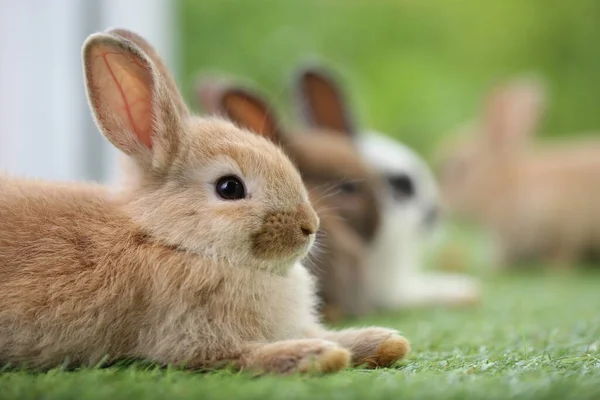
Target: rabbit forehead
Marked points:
214	140
389	156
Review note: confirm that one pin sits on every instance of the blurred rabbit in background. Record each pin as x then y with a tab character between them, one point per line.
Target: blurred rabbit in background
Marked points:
540	201
409	199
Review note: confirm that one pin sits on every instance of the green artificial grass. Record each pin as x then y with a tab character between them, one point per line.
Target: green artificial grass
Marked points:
534	336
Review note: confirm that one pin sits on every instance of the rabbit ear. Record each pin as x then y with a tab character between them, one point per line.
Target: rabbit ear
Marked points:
247	109
159	64
210	90
130	99
321	102
514	111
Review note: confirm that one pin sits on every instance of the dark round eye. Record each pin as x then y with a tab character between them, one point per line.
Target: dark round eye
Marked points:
348	187
230	187
401	184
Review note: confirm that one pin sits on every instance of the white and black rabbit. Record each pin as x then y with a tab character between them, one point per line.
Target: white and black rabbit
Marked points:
410	205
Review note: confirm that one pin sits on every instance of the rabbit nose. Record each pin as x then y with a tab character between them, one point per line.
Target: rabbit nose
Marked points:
307	230
309	221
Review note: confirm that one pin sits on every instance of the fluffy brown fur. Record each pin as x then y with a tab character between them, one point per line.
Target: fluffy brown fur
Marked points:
340	184
163	268
539	200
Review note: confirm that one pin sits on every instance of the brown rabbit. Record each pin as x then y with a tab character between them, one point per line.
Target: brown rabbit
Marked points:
539	200
194	262
340	185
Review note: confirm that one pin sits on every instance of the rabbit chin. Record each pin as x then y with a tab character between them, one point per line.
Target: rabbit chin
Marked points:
278	262
282	263
275	251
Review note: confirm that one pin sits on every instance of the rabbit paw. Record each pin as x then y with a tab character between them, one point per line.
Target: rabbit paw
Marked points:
372	347
299	356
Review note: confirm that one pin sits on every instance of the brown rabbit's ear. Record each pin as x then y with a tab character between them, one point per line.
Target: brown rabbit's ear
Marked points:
130	99
247	109
320	101
513	111
158	63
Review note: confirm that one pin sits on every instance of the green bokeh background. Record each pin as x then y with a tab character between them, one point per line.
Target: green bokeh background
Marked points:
414	69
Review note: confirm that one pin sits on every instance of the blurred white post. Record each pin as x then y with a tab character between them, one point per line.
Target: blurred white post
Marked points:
45	127
41	88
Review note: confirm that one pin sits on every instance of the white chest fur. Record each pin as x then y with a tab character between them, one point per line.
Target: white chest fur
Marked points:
233	306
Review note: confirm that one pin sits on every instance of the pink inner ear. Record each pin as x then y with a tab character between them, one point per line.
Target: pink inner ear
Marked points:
498	115
132	99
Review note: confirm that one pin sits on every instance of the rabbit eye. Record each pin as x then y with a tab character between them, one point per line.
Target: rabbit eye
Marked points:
230	187
348	187
402	185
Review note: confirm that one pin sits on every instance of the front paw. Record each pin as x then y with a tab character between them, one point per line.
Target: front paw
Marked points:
459	291
380	347
388	352
372	347
299	356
